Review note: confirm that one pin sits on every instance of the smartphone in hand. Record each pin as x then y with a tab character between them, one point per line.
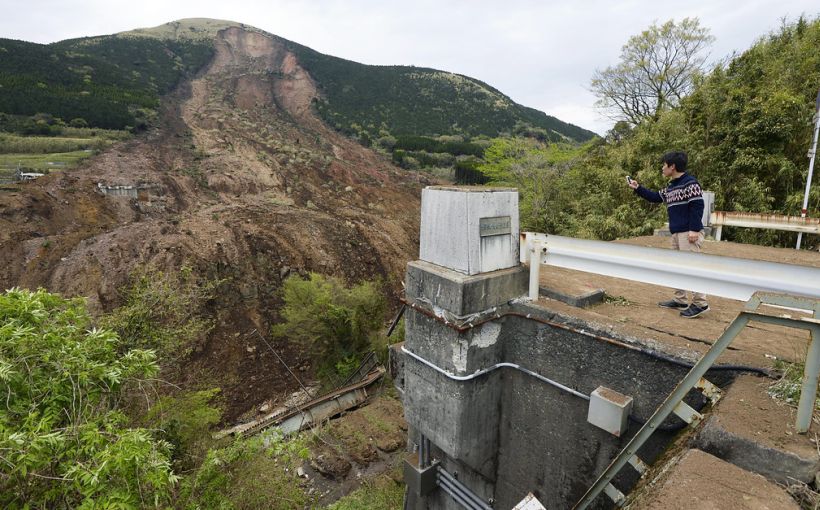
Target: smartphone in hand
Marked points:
629	179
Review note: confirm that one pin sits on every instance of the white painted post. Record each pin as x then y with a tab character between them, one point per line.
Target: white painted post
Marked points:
812	154
535	268
808	393
718	232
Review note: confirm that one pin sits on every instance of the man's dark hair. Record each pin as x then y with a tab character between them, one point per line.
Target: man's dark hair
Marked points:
677	158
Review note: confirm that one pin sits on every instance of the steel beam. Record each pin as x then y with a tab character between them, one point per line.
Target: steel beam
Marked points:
671	402
808	393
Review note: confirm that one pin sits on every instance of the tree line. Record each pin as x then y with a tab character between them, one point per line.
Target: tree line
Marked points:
111	82
746	124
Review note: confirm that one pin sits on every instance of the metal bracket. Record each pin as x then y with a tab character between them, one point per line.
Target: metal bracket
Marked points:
784	300
709	390
420	481
686	413
639	465
614	494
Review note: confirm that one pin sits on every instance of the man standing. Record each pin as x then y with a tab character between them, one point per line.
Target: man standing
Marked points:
684	204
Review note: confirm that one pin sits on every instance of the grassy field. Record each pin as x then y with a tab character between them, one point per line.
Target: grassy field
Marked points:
75	140
44	154
43	162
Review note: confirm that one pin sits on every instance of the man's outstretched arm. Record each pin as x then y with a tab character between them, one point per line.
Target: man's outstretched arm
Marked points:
646	194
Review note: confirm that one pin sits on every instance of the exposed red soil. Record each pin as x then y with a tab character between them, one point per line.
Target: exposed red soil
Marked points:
244	183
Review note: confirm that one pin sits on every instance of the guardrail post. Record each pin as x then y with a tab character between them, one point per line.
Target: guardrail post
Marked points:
808	393
535	268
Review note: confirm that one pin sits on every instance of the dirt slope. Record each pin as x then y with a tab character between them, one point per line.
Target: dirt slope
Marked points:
241	181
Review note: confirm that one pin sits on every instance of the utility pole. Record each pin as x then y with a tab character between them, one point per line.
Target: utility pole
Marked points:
812	154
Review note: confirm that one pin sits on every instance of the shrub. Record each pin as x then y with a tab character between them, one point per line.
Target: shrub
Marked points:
257	472
334	322
164	311
185	421
64	443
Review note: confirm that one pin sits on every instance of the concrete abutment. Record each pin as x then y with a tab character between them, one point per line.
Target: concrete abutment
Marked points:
500	386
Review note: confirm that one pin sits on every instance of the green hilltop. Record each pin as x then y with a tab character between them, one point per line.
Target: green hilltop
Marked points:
116	81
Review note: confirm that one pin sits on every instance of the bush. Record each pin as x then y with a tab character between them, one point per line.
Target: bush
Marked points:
257	472
64	443
332	321
163	311
381	493
185	421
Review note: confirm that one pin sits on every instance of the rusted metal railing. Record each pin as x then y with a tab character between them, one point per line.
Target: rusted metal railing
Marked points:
804	225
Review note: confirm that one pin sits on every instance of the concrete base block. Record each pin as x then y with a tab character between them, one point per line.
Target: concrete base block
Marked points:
696	480
583	300
777	465
460	294
420	482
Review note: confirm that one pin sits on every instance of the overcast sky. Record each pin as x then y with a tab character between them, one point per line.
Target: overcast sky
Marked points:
540	53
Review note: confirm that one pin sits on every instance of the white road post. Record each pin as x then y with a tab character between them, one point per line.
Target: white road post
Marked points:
812	154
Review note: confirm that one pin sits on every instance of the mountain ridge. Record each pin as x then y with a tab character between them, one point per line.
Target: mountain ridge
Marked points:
366	101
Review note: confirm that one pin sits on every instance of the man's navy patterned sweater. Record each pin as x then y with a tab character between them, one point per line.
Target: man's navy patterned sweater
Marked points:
684	203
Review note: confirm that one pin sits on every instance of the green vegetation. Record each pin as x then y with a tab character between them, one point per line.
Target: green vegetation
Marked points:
163	311
380	493
746	126
185	420
88	424
790	384
63	441
617	300
42	163
338	324
257	472
11	144
657	68
109	82
372	101
54	147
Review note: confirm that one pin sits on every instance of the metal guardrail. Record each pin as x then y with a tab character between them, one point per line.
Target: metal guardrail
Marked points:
674	402
728	277
720	219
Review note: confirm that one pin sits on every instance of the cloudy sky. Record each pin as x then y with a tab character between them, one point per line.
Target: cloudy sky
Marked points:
540	53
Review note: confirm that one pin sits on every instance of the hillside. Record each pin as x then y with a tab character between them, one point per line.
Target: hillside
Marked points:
115	81
405	100
237	180
110	81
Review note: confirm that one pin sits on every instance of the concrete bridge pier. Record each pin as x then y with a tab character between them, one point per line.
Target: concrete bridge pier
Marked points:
496	389
468	268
